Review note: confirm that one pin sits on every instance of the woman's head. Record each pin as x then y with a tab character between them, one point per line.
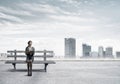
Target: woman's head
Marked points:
30	43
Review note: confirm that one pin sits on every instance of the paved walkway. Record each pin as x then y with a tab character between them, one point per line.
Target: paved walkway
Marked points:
63	73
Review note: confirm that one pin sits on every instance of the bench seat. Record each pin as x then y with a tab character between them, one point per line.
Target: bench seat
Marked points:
34	62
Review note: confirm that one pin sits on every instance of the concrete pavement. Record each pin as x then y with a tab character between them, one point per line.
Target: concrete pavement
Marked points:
63	73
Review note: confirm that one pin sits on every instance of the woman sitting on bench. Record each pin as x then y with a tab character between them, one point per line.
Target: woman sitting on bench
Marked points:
29	51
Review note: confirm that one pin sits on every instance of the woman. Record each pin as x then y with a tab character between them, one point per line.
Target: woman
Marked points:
29	51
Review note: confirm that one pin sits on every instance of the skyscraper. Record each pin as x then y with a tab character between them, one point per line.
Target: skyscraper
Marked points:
86	50
109	52
101	51
118	54
70	47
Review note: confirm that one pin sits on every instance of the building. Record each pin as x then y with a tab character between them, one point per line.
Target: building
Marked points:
3	56
86	49
104	53
94	54
118	54
109	52
70	47
101	51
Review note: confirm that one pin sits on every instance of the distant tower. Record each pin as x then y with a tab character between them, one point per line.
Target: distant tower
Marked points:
70	47
109	52
94	54
86	50
118	54
101	51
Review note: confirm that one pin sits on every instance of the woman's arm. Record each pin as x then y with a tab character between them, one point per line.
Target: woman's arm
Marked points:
26	51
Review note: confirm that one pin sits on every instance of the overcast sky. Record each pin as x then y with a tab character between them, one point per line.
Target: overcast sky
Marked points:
48	22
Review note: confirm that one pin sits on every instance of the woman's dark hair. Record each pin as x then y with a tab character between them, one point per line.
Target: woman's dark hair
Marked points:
29	41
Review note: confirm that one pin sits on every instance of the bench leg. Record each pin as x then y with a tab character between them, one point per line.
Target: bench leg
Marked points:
45	68
14	65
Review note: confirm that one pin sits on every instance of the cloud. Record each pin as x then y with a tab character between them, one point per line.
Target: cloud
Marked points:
38	8
9	10
72	19
10	17
43	29
48	23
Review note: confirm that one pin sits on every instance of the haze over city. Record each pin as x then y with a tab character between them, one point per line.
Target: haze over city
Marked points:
48	22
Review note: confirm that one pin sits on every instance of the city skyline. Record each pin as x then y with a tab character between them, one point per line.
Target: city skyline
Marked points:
48	22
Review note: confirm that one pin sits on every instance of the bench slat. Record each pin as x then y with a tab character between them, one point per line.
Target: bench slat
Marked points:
34	62
20	51
48	56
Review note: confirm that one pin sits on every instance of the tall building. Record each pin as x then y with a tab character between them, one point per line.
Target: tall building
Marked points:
118	54
109	52
70	47
86	50
101	51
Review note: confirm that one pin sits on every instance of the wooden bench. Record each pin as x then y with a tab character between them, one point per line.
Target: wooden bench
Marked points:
15	54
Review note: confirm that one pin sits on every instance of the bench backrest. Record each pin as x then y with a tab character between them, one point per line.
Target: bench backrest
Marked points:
43	54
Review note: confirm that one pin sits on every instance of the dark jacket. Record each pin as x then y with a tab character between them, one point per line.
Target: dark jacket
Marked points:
30	52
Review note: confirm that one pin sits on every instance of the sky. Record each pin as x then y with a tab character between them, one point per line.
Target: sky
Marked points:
48	22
